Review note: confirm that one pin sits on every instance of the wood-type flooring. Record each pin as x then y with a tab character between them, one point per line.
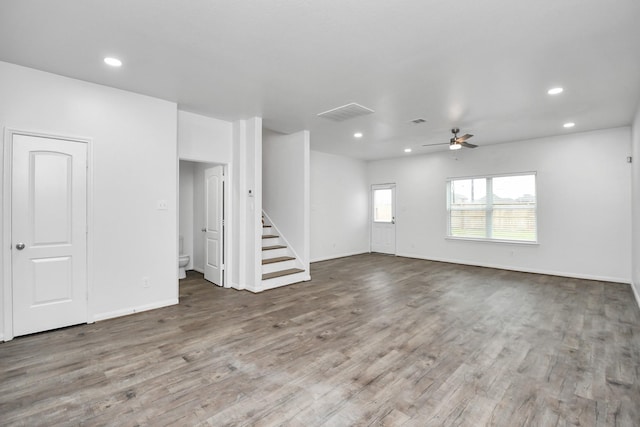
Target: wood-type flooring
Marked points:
371	340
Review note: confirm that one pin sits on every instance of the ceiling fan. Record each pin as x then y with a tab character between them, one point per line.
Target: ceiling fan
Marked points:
456	142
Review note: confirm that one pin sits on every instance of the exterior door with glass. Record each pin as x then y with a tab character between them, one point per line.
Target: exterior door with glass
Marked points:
383	218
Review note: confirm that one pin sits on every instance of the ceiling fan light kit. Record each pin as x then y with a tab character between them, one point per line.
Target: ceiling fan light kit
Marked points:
457	142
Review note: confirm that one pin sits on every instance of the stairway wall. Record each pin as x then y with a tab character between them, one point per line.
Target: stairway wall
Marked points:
285	187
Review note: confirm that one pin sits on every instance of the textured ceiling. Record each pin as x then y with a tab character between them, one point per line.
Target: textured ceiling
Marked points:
482	66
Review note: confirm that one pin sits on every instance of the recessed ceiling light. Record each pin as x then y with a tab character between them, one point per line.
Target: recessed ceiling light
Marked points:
407	150
569	125
114	62
555	91
357	135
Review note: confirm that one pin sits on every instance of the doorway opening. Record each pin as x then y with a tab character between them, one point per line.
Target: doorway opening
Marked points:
203	201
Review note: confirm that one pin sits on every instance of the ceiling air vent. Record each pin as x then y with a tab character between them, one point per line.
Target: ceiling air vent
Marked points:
346	112
418	121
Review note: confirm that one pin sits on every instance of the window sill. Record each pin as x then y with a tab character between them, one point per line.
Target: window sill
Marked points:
509	242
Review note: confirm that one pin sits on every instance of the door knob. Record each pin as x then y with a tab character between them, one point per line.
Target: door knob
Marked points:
20	246
204	229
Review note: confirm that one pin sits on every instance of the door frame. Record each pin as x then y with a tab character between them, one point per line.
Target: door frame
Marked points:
395	214
7	288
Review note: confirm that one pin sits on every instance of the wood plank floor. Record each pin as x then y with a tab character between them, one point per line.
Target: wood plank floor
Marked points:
371	340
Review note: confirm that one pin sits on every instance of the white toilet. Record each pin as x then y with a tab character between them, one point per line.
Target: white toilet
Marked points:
183	261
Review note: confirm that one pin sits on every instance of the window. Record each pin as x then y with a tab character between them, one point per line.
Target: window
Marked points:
383	205
499	208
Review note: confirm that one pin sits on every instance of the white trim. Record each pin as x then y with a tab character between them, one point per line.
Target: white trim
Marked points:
7	296
227	242
522	270
336	256
307	203
132	310
487	240
7	290
90	230
177	225
497	175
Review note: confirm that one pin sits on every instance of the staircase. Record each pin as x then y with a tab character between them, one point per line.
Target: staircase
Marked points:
280	266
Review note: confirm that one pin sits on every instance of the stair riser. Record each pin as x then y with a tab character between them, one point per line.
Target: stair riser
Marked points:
273	241
274	253
278	266
284	280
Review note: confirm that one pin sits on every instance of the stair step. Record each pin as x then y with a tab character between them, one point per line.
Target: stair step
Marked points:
281	273
269	236
278	259
268	248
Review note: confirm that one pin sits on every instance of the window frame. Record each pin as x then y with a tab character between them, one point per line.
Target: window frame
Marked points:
489	208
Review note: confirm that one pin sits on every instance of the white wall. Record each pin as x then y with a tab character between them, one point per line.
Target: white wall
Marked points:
635	200
133	167
285	188
186	209
204	139
339	206
584	209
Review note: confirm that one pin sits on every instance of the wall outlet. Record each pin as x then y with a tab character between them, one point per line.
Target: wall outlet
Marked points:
162	205
145	282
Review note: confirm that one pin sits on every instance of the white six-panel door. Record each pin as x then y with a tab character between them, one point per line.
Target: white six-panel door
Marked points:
213	252
48	233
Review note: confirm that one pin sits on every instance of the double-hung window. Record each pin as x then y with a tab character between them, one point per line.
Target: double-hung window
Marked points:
499	208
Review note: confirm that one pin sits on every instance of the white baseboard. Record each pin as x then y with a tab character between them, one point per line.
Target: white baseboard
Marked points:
336	256
524	270
236	286
132	310
1	337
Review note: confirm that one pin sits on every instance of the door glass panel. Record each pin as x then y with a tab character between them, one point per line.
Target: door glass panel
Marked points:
382	205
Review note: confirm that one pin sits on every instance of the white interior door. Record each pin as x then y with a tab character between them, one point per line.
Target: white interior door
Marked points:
214	234
48	233
383	224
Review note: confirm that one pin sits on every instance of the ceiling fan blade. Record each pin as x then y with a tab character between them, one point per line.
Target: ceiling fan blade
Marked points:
466	144
463	137
440	143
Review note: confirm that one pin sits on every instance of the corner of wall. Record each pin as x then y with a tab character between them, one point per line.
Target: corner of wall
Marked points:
636	293
635	205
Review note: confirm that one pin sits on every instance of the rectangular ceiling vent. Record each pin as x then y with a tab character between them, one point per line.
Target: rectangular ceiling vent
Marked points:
346	112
